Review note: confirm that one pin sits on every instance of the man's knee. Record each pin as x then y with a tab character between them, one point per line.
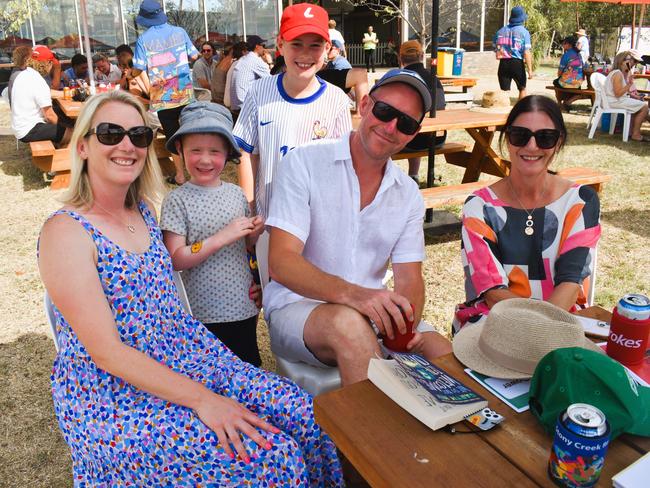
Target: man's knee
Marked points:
339	330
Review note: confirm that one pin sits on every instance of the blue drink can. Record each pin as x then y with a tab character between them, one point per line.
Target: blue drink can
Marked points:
581	439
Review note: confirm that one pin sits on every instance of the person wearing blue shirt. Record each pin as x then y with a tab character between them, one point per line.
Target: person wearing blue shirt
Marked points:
513	50
78	70
334	57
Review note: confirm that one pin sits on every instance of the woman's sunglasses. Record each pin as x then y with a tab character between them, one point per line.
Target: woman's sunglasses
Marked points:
384	112
545	138
112	134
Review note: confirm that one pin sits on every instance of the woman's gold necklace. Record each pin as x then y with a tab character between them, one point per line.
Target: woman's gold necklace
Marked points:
128	224
528	230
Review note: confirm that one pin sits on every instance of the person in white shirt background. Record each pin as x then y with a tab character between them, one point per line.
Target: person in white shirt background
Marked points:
583	45
336	35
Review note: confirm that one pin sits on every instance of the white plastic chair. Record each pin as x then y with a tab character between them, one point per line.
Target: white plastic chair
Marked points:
311	378
51	318
601	106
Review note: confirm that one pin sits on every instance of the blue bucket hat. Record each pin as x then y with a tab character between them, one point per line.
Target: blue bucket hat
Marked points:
517	16
150	14
205	118
409	77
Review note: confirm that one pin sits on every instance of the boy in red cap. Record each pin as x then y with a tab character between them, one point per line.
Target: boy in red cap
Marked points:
292	108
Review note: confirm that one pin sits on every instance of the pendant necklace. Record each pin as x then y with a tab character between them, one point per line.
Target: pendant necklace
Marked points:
128	224
528	230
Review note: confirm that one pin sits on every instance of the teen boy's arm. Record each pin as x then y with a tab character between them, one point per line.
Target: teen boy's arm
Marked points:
245	132
246	171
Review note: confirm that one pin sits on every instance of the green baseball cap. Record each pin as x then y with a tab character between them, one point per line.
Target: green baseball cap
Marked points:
576	375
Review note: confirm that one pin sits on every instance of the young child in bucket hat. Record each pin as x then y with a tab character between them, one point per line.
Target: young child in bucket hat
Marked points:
207	228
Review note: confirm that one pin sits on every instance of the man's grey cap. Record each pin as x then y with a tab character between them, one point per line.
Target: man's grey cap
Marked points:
410	78
205	118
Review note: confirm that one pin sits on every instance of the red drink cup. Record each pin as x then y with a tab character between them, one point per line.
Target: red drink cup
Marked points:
399	341
628	339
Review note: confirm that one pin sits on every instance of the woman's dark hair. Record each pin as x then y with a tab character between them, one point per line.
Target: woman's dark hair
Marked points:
278	66
123	48
571	41
537	103
239	49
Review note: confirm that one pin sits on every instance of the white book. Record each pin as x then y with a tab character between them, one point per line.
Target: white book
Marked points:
636	475
425	391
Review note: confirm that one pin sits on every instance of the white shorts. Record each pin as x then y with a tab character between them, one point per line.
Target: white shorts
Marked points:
287	325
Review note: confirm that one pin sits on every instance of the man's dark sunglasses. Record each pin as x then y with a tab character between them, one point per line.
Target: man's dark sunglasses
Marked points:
112	134
545	138
206	50
384	112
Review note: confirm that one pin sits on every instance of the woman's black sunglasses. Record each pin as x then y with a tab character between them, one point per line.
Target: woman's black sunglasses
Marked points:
112	134
384	112
545	138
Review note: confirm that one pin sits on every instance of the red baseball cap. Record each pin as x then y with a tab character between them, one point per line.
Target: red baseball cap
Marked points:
304	18
42	53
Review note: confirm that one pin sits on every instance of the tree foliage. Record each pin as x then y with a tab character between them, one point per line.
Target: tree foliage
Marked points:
16	12
544	17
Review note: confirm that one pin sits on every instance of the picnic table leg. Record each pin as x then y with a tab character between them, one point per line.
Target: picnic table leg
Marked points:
483	157
431	177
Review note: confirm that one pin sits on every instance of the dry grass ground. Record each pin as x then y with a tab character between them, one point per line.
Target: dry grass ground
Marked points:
32	452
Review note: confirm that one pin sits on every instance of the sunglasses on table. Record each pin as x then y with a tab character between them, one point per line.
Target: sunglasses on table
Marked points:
112	134
545	138
385	113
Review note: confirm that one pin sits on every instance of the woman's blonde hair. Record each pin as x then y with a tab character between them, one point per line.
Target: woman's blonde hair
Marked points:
147	186
619	58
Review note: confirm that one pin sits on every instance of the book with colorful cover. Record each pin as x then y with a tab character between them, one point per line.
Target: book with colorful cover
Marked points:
425	391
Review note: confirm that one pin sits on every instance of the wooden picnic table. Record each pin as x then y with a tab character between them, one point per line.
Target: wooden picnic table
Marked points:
481	126
466	85
384	442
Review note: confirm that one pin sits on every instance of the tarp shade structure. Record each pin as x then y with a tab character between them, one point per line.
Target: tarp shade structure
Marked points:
72	41
14	41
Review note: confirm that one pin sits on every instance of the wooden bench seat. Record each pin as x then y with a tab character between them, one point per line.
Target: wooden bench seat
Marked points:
49	159
586	93
440	196
446	148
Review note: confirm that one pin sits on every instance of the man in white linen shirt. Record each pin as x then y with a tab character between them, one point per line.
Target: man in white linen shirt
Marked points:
341	210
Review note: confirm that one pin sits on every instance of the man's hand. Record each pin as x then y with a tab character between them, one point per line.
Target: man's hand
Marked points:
379	305
530	75
416	345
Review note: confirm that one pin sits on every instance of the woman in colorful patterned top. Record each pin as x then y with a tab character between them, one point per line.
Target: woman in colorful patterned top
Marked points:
570	73
532	234
143	393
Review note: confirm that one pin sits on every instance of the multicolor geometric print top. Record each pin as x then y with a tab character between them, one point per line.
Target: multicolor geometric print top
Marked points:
511	42
572	74
496	253
163	51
